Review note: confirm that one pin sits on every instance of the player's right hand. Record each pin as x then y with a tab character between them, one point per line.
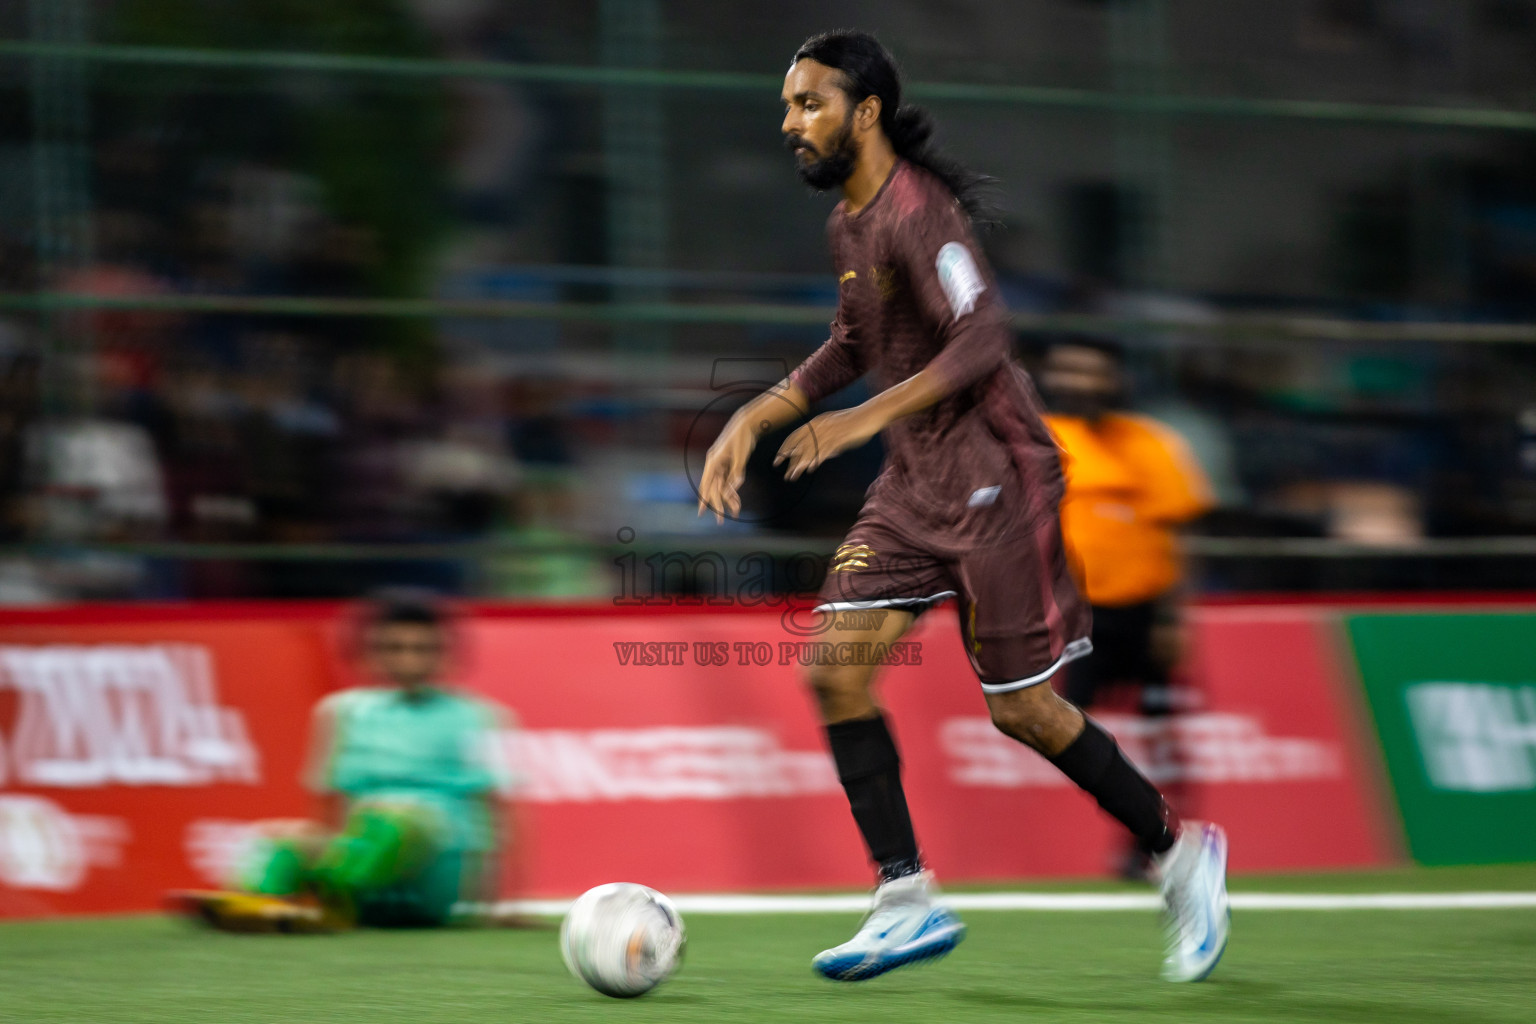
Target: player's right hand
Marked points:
725	467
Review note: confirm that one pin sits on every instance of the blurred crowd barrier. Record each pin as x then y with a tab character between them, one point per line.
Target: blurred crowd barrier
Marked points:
294	302
140	746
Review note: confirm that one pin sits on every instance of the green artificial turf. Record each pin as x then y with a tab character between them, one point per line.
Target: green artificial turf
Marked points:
1401	967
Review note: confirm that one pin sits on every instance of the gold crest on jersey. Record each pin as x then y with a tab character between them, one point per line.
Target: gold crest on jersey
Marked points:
885	280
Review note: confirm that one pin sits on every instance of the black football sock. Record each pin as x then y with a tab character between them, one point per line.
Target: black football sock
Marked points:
1094	761
870	771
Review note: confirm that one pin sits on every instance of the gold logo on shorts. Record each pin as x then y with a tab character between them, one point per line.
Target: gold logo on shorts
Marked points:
849	276
852	557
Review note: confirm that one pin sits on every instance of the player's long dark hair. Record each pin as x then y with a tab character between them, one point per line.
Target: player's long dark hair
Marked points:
868	69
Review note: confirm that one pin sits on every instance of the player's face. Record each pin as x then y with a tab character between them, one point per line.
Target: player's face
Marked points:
406	654
1080	381
818	125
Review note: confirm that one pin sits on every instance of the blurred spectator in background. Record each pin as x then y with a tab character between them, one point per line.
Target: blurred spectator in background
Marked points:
98	477
464	469
1131	482
381	412
411	778
19	402
21	582
548	561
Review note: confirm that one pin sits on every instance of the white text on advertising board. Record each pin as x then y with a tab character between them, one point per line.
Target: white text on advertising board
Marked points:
1206	747
1476	737
667	763
119	714
43	846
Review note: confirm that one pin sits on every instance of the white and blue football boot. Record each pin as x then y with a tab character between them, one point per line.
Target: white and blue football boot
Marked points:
1198	914
905	927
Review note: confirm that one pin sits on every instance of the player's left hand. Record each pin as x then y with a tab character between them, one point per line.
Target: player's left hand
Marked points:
829	434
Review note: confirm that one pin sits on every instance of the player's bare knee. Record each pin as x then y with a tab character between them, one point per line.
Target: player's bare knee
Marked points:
834	685
833	680
1017	720
1035	716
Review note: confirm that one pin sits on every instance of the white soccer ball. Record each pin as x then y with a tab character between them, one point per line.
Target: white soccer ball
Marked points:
622	939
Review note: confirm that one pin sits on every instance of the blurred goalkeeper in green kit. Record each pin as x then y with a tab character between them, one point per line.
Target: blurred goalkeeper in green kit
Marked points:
410	774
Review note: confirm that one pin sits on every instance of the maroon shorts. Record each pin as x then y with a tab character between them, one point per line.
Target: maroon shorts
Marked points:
1021	615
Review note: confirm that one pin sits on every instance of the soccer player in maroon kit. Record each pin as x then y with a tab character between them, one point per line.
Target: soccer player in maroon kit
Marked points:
965	507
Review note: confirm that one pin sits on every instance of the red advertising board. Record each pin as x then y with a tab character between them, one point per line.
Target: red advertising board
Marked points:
703	776
132	755
1296	779
678	749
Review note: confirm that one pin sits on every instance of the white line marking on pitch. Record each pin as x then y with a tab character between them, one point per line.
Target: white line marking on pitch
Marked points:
858	903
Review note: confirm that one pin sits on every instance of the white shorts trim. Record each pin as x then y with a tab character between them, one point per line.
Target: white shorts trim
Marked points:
1074	650
884	602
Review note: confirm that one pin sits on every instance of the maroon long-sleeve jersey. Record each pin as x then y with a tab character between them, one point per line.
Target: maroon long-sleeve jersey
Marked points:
915	293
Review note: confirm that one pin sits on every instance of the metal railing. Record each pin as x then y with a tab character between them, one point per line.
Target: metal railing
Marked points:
468	551
1275	325
1043	97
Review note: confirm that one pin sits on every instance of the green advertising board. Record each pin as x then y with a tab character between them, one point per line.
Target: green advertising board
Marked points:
1453	697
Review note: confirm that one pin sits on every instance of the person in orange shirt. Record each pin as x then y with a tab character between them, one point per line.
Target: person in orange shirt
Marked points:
1131	483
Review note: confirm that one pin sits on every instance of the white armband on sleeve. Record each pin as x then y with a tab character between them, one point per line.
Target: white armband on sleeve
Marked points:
960	278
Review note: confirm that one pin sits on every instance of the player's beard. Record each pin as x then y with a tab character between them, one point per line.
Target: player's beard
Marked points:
836	166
